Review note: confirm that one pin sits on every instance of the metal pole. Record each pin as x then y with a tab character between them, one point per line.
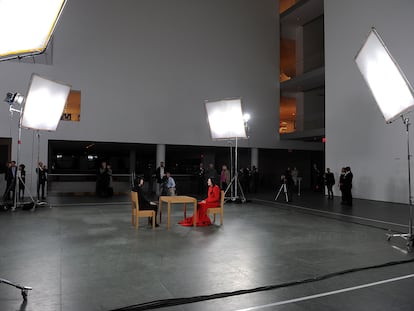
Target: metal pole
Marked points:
232	169
236	171
410	199
16	180
407	236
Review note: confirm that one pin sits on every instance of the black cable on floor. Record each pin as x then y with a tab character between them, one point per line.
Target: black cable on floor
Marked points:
180	301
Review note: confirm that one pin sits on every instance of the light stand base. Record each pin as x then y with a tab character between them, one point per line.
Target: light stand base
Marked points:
236	198
409	238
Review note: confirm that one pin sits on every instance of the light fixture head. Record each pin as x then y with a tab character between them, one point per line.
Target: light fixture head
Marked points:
14	98
27	26
387	82
44	104
225	118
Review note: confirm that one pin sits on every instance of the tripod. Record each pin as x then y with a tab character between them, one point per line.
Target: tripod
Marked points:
284	188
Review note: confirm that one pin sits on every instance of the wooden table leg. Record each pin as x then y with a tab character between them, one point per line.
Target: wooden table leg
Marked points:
160	210
195	213
168	214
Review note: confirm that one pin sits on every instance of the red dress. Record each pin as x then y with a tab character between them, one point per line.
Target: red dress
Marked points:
213	200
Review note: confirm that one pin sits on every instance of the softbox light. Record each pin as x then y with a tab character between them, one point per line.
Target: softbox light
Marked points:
26	26
388	84
45	101
225	118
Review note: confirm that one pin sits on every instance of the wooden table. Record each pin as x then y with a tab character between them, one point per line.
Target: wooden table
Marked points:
177	199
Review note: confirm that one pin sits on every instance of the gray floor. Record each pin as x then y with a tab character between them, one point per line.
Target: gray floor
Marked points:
83	254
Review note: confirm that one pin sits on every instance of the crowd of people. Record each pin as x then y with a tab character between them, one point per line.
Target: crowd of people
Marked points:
344	184
16	176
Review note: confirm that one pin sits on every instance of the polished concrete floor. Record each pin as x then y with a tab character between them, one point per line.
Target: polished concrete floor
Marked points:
81	253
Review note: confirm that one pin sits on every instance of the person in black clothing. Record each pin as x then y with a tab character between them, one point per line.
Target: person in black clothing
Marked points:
144	203
288	180
341	185
41	172
200	179
255	179
10	176
211	172
160	176
329	182
347	186
148	176
103	180
22	181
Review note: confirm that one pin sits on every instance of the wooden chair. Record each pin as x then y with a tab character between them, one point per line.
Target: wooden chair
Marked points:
218	210
137	213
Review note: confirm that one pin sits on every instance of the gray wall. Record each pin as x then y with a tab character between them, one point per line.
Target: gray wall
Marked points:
145	68
355	129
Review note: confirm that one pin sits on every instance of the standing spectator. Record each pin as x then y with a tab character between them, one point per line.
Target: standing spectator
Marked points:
170	184
255	179
316	178
6	194
148	176
41	172
160	174
10	181
200	179
110	189
329	182
224	177
289	184
246	179
348	186
295	174
211	173
103	180
341	185
22	181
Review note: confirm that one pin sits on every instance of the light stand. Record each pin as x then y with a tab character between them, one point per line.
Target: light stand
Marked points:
407	236
18	100
381	73
39	22
226	122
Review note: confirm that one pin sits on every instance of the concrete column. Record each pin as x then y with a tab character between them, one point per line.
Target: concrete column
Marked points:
160	158
160	155
132	161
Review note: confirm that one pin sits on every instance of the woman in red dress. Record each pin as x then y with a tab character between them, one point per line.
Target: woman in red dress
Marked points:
213	200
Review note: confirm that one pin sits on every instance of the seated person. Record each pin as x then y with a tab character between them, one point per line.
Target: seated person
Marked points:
213	200
170	184
144	203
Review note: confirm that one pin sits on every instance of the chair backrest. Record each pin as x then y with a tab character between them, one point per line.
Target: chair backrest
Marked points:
134	200
222	199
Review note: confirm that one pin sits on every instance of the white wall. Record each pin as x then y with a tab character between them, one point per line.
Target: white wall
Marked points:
355	129
145	68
